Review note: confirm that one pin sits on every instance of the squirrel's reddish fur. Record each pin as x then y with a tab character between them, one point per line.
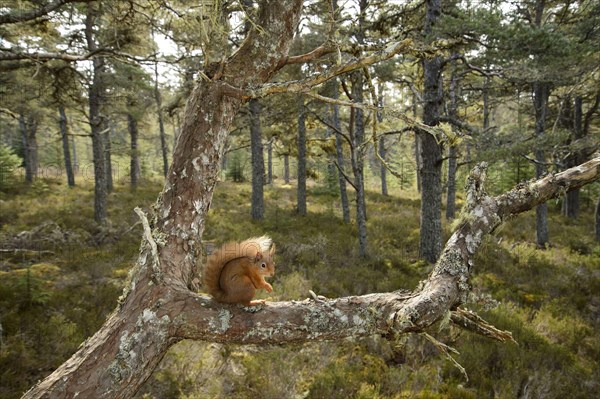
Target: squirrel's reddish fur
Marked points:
235	271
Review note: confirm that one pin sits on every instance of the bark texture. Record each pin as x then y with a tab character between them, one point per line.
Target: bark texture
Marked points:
95	95
258	162
134	167
339	151
301	189
430	170
357	136
382	149
109	129
541	93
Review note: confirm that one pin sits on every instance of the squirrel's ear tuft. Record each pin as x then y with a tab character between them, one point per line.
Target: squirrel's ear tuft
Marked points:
272	251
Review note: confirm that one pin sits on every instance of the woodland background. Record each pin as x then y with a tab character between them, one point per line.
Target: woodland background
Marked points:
516	85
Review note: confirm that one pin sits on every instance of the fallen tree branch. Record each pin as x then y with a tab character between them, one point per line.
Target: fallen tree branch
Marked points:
445	349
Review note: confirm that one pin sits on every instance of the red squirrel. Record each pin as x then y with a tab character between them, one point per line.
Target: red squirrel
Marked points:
235	271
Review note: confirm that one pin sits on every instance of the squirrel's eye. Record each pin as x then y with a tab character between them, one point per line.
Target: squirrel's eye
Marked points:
263	265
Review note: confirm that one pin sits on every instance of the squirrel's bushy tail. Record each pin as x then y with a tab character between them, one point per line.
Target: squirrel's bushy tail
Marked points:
225	254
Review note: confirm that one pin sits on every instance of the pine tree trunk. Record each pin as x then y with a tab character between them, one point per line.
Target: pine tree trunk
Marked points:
95	94
382	168
430	150
75	159
571	199
28	127
451	191
258	162
597	224
161	123
108	155
65	142
541	93
134	164
418	160
270	162
453	150
357	134
301	190
486	102
335	119
286	168
382	150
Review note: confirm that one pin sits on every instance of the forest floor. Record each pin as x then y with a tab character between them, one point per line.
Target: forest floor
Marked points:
61	275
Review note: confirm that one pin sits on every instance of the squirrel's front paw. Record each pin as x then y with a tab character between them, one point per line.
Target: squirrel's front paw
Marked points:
268	287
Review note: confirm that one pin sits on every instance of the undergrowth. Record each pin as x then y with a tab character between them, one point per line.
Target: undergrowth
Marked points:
61	274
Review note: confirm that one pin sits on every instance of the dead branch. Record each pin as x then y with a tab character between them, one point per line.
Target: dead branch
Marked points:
472	322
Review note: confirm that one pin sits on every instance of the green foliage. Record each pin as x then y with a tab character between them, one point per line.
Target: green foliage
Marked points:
9	163
237	167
